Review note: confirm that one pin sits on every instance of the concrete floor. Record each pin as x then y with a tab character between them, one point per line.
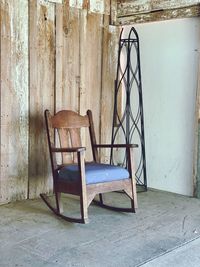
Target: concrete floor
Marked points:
165	231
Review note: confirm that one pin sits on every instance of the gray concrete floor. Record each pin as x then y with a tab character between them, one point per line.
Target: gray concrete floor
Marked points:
165	231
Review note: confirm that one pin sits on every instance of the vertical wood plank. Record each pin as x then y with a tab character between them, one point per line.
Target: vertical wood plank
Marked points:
14	100
64	73
109	54
113	12
67	57
90	69
42	79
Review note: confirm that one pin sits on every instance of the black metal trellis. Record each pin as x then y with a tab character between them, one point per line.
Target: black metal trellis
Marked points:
128	117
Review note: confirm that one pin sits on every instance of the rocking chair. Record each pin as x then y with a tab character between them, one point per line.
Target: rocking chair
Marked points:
80	178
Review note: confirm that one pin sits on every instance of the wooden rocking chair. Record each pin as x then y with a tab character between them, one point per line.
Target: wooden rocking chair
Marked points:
85	180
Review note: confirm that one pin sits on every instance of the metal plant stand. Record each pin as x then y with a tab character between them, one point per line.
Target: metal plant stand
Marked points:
128	117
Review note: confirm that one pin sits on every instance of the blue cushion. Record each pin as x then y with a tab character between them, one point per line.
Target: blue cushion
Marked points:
95	173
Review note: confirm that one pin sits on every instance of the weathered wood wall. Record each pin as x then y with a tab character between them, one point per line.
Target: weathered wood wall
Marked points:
58	54
14	100
55	56
138	11
41	94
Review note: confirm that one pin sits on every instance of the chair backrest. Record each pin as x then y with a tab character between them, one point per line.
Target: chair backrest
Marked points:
67	124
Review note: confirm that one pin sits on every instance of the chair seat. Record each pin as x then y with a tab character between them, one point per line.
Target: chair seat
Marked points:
95	173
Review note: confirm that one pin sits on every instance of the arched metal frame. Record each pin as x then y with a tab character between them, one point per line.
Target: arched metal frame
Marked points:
128	119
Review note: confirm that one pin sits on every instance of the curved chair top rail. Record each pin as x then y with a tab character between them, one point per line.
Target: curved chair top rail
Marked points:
69	119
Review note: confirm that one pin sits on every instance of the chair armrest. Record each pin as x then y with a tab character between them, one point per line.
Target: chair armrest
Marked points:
68	150
116	145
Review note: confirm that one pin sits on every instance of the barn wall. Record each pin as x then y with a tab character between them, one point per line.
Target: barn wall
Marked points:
139	11
53	56
14	100
58	54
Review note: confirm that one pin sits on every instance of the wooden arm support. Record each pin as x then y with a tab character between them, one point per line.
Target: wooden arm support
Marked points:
68	150
116	145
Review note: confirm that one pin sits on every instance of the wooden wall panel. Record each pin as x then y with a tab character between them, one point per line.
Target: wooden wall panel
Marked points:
90	68
138	11
109	68
14	100
42	82
54	59
69	62
92	6
128	7
67	57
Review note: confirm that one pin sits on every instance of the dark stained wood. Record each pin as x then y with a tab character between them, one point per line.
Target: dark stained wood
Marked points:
69	149
92	136
83	195
64	140
65	120
131	169
116	145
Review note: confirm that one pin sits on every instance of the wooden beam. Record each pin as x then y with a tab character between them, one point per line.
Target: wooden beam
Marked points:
129	7
129	12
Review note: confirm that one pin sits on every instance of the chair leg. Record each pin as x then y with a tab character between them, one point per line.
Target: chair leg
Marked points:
84	209
130	191
134	192
101	198
59	202
133	205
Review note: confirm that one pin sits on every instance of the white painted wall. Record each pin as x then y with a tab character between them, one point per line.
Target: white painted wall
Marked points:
169	59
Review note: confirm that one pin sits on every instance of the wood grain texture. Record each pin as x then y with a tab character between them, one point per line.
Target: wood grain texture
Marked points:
90	69
109	55
14	100
92	6
51	58
42	67
76	182
129	7
69	119
185	12
67	57
129	12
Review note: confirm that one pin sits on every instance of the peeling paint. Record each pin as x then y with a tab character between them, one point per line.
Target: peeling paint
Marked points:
28	48
76	3
56	1
46	2
93	6
97	6
129	12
